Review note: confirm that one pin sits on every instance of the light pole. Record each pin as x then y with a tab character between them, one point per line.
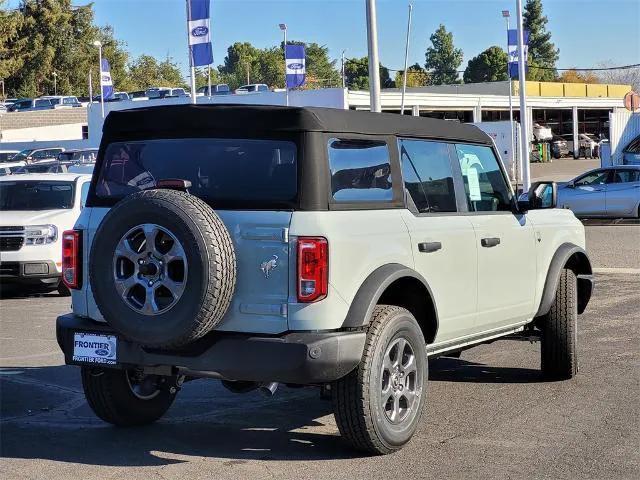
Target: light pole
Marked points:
283	27
98	44
406	59
55	83
524	116
506	15
372	46
342	71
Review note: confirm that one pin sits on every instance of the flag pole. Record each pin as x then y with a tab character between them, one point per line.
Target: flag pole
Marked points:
101	88
524	117
372	47
283	27
192	68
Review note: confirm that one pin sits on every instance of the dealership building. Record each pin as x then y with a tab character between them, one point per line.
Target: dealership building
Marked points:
566	108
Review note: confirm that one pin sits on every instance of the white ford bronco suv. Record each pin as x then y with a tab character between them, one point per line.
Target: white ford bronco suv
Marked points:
307	246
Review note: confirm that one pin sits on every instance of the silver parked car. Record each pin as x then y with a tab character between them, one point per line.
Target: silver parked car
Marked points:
612	192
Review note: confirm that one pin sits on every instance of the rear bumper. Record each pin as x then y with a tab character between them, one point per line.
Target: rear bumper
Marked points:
298	357
29	272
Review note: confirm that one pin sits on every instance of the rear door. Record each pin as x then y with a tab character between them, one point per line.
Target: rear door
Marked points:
250	183
623	193
443	243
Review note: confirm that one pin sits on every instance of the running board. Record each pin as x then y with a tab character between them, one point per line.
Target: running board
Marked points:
472	341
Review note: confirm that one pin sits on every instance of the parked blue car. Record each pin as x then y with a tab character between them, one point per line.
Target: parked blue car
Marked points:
631	154
612	192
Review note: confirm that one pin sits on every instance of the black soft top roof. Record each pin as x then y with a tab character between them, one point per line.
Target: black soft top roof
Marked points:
231	118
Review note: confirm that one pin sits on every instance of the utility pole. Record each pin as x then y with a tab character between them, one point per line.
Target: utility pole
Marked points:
372	44
524	117
406	60
55	83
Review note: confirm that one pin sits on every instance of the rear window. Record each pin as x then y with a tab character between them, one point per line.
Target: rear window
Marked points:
36	195
242	173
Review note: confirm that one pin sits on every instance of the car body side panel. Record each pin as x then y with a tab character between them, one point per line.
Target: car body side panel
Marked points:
360	241
623	199
585	200
552	228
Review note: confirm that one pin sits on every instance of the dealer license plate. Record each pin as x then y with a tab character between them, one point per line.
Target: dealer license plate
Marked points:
94	348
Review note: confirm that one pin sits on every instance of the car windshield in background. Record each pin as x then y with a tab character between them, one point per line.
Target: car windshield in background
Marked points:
239	173
22	156
36	195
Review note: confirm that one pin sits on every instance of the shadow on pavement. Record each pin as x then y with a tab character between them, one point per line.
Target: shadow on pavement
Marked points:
8	291
44	416
445	369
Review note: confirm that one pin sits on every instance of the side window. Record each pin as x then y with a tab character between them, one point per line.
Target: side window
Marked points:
360	170
627	176
484	184
84	191
594	178
426	168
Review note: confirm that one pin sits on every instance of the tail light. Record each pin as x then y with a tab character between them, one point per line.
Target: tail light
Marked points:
71	259
313	269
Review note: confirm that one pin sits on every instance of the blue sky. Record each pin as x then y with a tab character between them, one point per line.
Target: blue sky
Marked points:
586	31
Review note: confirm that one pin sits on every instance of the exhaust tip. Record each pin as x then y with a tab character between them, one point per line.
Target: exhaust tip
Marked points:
269	389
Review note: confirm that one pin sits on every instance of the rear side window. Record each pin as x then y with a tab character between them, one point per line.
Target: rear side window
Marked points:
360	170
485	186
426	168
242	173
627	176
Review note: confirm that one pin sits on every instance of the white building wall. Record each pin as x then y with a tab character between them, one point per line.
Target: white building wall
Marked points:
624	126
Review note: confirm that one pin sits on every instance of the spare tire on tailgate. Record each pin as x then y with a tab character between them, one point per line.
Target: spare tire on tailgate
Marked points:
162	268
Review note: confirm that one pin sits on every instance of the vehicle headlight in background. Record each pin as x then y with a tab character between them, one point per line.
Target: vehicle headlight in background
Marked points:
40	234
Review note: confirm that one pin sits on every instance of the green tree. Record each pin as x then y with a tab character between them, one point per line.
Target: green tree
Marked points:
488	66
356	71
239	65
417	77
442	59
146	71
202	79
542	52
53	36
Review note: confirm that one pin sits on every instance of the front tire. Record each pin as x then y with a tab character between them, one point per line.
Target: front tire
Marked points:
123	398
378	405
558	349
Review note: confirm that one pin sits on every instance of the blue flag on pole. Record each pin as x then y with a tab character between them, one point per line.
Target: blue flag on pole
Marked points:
513	51
199	33
296	65
106	84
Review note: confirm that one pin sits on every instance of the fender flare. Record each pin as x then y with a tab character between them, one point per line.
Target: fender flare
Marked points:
582	267
373	287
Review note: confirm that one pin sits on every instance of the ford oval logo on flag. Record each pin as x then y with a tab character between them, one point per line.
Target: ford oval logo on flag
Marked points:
102	352
200	31
295	66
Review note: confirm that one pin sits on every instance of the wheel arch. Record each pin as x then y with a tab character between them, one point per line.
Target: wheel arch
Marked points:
575	258
395	284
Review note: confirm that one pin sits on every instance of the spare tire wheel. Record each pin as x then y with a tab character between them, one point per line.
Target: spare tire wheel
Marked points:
162	268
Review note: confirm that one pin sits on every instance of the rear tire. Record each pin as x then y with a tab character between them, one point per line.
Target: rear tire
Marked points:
558	346
112	397
378	405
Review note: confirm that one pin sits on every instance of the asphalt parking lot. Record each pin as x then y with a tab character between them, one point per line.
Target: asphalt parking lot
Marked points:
489	414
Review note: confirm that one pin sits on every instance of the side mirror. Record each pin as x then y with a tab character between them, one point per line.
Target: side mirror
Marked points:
543	195
571	184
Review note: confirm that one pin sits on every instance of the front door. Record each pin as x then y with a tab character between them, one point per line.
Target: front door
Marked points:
505	242
443	242
588	195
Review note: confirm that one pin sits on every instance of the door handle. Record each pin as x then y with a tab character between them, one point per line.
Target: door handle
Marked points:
429	247
490	242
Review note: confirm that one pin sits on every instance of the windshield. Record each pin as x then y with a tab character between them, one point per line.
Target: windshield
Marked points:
224	172
36	195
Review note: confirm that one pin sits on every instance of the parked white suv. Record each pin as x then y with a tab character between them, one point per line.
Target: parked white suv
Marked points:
308	246
34	211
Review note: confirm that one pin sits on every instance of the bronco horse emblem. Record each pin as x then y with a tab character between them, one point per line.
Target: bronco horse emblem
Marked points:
268	266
